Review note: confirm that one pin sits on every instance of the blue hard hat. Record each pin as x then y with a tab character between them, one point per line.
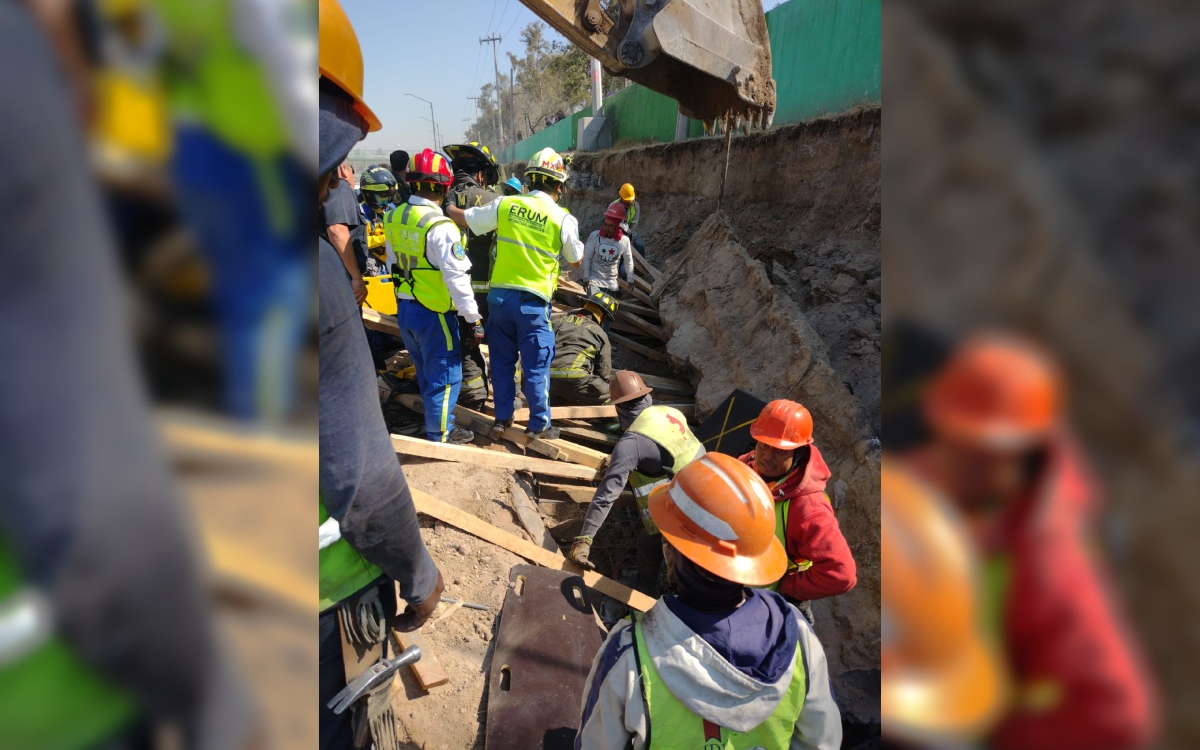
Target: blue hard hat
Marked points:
515	184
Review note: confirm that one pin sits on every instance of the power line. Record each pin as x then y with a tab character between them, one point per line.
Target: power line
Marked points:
504	13
514	23
491	17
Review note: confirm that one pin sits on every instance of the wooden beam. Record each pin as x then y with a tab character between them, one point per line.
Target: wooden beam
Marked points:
668	385
645	351
527	513
428	670
640	283
644	264
642	325
587	433
637	293
435	508
484	423
469	454
596	412
620	325
642	310
580	454
378	321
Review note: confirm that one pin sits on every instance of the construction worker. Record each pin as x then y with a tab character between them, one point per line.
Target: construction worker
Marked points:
1001	454
431	274
633	215
582	366
399	163
474	169
532	231
513	186
608	251
718	665
378	187
106	624
656	445
369	538
943	682
787	459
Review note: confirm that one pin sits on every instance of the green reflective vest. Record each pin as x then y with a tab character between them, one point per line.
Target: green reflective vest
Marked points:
49	699
342	571
212	78
528	242
407	230
781	520
667	427
671	725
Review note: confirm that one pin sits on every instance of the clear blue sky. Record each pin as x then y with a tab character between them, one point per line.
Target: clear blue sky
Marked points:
443	61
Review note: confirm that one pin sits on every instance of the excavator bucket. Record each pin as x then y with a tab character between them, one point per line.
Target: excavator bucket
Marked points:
712	56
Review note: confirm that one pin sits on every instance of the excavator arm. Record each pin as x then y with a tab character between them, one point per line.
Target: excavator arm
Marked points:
712	56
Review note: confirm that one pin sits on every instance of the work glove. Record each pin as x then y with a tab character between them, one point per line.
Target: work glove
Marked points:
413	617
478	332
581	548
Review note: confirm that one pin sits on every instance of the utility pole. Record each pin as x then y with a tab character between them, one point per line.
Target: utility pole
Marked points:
432	119
499	86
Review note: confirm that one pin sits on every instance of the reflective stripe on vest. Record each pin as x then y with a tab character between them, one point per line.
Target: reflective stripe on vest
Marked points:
48	697
407	228
668	428
669	724
342	571
528	242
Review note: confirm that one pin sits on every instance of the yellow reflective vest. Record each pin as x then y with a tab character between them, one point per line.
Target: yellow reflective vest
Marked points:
407	230
667	427
528	243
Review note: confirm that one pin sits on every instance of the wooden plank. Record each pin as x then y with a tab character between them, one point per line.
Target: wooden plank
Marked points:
527	513
575	493
640	283
641	310
469	454
668	385
484	423
431	506
644	264
598	412
620	325
570	285
580	454
428	670
637	293
378	321
589	434
645	327
632	345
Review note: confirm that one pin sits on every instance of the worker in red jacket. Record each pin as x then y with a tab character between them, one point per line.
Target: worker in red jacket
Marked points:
819	560
1000	453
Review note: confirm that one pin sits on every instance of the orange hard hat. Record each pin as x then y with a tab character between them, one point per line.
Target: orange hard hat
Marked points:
783	424
719	514
942	680
997	390
626	385
340	57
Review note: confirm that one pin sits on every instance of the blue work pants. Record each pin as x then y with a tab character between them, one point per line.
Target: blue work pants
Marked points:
519	324
433	342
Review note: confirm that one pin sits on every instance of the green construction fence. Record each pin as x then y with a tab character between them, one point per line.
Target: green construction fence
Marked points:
825	57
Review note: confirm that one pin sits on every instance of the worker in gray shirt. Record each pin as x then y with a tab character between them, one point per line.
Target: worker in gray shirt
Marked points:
656	445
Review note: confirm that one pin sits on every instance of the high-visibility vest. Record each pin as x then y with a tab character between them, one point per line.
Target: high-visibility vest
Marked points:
407	229
50	699
669	724
528	242
667	427
213	78
781	520
341	570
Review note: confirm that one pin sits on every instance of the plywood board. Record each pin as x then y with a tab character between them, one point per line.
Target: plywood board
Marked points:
481	457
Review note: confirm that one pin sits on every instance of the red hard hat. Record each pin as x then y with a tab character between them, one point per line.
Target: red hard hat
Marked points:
429	166
615	211
783	424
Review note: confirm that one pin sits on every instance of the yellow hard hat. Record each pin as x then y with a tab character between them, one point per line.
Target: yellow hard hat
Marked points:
341	57
627	192
943	681
547	162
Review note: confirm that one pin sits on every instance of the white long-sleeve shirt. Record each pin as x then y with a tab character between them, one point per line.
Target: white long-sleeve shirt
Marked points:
602	258
484	219
445	253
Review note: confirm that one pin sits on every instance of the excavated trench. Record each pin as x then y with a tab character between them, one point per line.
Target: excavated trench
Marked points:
779	295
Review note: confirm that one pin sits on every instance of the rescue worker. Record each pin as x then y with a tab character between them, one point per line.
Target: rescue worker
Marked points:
474	169
378	187
431	274
1001	454
369	537
787	459
607	251
399	162
719	665
656	445
582	366
944	684
633	215
513	186
532	231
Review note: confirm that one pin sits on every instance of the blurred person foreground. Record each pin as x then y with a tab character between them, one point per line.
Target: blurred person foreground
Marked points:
114	632
615	506
1038	179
